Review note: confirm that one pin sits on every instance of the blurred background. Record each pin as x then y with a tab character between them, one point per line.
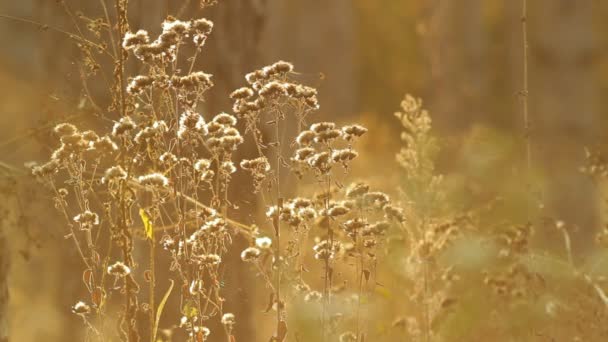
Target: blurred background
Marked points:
464	58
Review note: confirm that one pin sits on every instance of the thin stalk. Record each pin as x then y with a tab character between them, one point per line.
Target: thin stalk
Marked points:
360	267
152	285
72	234
121	25
427	315
126	254
279	208
327	282
110	31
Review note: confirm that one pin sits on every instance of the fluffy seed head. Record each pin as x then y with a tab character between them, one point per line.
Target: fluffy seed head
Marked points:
202	165
320	162
322	127
348	337
176	26
337	211
202	25
123	125
225	119
139	84
282	67
273	90
228	319
104	145
394	213
258	164
313	296
228	167
353	131
87	219
131	40
241	93
344	155
250	254
214	226
81	308
65	129
377	198
114	173
154	179
305	138
119	269
190	123
263	242
208	259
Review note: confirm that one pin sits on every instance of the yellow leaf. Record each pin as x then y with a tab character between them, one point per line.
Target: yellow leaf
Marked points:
189	310
383	292
161	306
147	224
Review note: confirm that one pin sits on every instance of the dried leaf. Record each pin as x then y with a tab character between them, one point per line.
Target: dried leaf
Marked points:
159	310
281	331
366	273
95	257
275	224
270	303
98	297
87	278
383	292
448	302
145	218
190	310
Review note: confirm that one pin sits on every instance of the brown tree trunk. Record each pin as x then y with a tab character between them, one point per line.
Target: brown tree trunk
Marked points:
564	104
318	36
235	50
5	220
4	266
457	51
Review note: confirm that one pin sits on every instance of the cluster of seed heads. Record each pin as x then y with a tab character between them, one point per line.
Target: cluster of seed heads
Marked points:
164	48
315	147
174	161
268	88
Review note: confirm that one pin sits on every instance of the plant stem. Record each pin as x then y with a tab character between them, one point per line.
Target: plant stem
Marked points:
121	26
152	285
327	284
279	208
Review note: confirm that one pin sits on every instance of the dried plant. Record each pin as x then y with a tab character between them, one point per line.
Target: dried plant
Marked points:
331	252
168	168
